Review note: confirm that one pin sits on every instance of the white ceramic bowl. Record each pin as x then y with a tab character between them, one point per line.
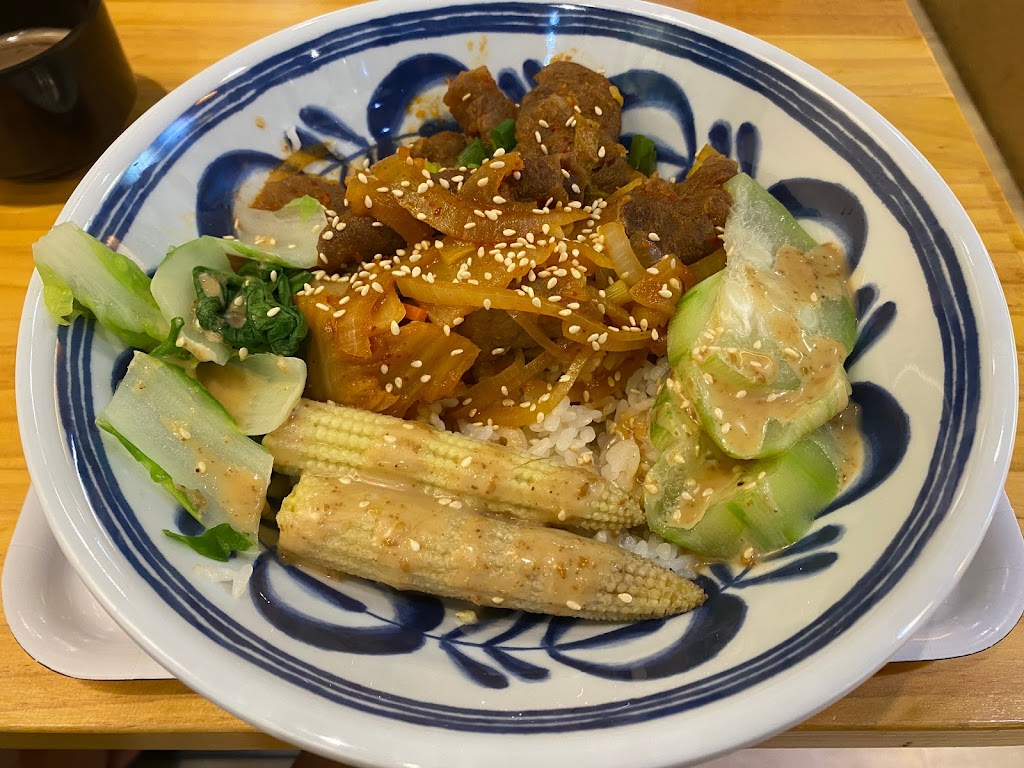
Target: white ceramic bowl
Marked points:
379	678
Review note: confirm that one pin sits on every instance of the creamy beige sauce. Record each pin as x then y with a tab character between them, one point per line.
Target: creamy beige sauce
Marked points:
802	367
243	493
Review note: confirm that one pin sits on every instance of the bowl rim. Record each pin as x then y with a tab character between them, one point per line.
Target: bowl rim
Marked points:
971	254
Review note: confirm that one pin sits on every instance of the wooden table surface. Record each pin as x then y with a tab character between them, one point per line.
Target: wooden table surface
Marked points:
873	47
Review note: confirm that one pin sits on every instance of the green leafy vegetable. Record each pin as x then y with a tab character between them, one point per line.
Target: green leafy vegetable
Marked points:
288	237
189	444
217	543
175	293
474	155
252	309
169	349
642	154
83	277
504	135
432	167
190	501
259	392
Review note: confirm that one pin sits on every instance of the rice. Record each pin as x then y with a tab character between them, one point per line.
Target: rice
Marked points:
238	578
610	436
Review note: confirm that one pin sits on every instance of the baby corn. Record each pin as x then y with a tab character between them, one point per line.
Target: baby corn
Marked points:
330	439
409	540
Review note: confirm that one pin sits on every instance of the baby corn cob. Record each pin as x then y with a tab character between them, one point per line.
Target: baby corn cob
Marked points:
408	540
330	439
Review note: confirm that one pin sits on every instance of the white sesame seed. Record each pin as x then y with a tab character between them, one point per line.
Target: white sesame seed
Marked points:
394	328
625	597
424	378
654	237
597	111
273	311
421	216
469	225
572	605
414	545
466	461
487	303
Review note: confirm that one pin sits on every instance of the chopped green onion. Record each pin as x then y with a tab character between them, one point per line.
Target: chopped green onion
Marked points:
432	167
504	135
474	155
217	543
642	154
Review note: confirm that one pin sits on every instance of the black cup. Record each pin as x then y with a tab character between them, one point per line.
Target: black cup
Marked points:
62	107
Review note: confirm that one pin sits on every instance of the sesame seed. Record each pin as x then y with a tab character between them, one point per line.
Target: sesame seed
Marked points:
572	605
564	312
625	597
544	148
665	293
726	427
466	461
467	96
499	164
497	600
243	353
273	311
364	504
421	216
424	378
390	439
201	468
536	302
600	152
597	111
323	307
487	303
469	225
654	237
394	328
654	334
536	135
414	545
416	363
791	353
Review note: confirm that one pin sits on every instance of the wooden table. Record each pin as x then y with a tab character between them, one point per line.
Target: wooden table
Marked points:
874	47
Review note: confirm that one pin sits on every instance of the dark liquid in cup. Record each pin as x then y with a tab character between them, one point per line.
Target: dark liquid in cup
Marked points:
16	47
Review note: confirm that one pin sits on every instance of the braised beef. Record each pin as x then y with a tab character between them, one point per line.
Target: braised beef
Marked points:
441	149
684	216
477	104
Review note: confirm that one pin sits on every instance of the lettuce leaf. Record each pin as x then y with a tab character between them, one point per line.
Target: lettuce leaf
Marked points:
83	277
